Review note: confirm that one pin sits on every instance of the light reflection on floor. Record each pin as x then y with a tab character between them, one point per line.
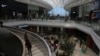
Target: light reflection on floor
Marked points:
78	52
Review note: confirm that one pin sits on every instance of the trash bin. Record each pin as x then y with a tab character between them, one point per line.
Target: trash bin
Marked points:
84	49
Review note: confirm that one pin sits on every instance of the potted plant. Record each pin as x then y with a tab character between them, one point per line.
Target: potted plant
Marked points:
66	45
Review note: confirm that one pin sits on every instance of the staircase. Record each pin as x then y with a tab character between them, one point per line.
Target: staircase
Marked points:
39	48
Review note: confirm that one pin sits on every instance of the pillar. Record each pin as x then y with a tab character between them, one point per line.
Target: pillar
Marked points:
61	31
61	28
80	11
42	30
37	29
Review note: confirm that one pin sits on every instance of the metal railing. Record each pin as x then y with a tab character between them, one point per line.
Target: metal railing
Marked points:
95	25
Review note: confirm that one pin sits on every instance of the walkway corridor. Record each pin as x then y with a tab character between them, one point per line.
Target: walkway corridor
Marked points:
78	52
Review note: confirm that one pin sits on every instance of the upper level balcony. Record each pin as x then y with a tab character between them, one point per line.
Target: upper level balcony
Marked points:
95	25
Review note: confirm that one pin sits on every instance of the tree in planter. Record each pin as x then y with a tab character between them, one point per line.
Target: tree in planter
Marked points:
67	46
62	36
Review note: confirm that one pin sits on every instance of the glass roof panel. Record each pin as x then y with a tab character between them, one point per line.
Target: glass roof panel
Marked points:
56	3
58	11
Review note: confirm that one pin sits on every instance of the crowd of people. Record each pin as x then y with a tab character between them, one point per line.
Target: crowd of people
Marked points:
53	42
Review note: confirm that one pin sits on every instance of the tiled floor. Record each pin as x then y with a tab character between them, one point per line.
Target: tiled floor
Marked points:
78	52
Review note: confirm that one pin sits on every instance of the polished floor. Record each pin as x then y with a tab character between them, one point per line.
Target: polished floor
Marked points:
78	51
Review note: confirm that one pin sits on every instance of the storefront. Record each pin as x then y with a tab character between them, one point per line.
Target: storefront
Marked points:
74	12
85	9
97	4
11	9
33	10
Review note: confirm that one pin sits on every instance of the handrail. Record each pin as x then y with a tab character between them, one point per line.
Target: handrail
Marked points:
78	25
35	35
43	41
60	21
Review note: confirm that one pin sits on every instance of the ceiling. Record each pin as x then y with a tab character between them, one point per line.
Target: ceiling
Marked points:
49	4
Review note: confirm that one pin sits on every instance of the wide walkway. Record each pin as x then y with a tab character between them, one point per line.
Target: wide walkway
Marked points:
78	51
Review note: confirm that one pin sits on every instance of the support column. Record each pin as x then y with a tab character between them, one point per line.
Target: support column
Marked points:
37	29
42	30
61	29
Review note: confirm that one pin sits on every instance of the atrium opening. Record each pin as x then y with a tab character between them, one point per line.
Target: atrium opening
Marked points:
58	11
49	27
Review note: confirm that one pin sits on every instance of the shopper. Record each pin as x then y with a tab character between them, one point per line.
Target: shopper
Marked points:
52	43
28	44
55	44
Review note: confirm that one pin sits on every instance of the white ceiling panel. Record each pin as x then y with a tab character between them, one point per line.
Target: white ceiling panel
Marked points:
49	4
45	5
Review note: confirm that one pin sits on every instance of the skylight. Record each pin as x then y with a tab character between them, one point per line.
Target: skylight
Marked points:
58	11
56	3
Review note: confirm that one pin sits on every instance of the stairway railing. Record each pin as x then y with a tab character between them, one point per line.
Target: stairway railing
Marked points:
37	36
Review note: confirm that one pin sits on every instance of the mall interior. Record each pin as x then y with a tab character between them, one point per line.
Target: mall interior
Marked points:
50	27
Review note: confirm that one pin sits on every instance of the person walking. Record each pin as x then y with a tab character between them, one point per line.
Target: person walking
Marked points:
28	44
55	44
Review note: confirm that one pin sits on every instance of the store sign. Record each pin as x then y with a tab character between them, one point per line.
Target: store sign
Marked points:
3	5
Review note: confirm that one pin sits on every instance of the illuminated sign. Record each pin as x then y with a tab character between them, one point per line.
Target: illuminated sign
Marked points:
3	5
